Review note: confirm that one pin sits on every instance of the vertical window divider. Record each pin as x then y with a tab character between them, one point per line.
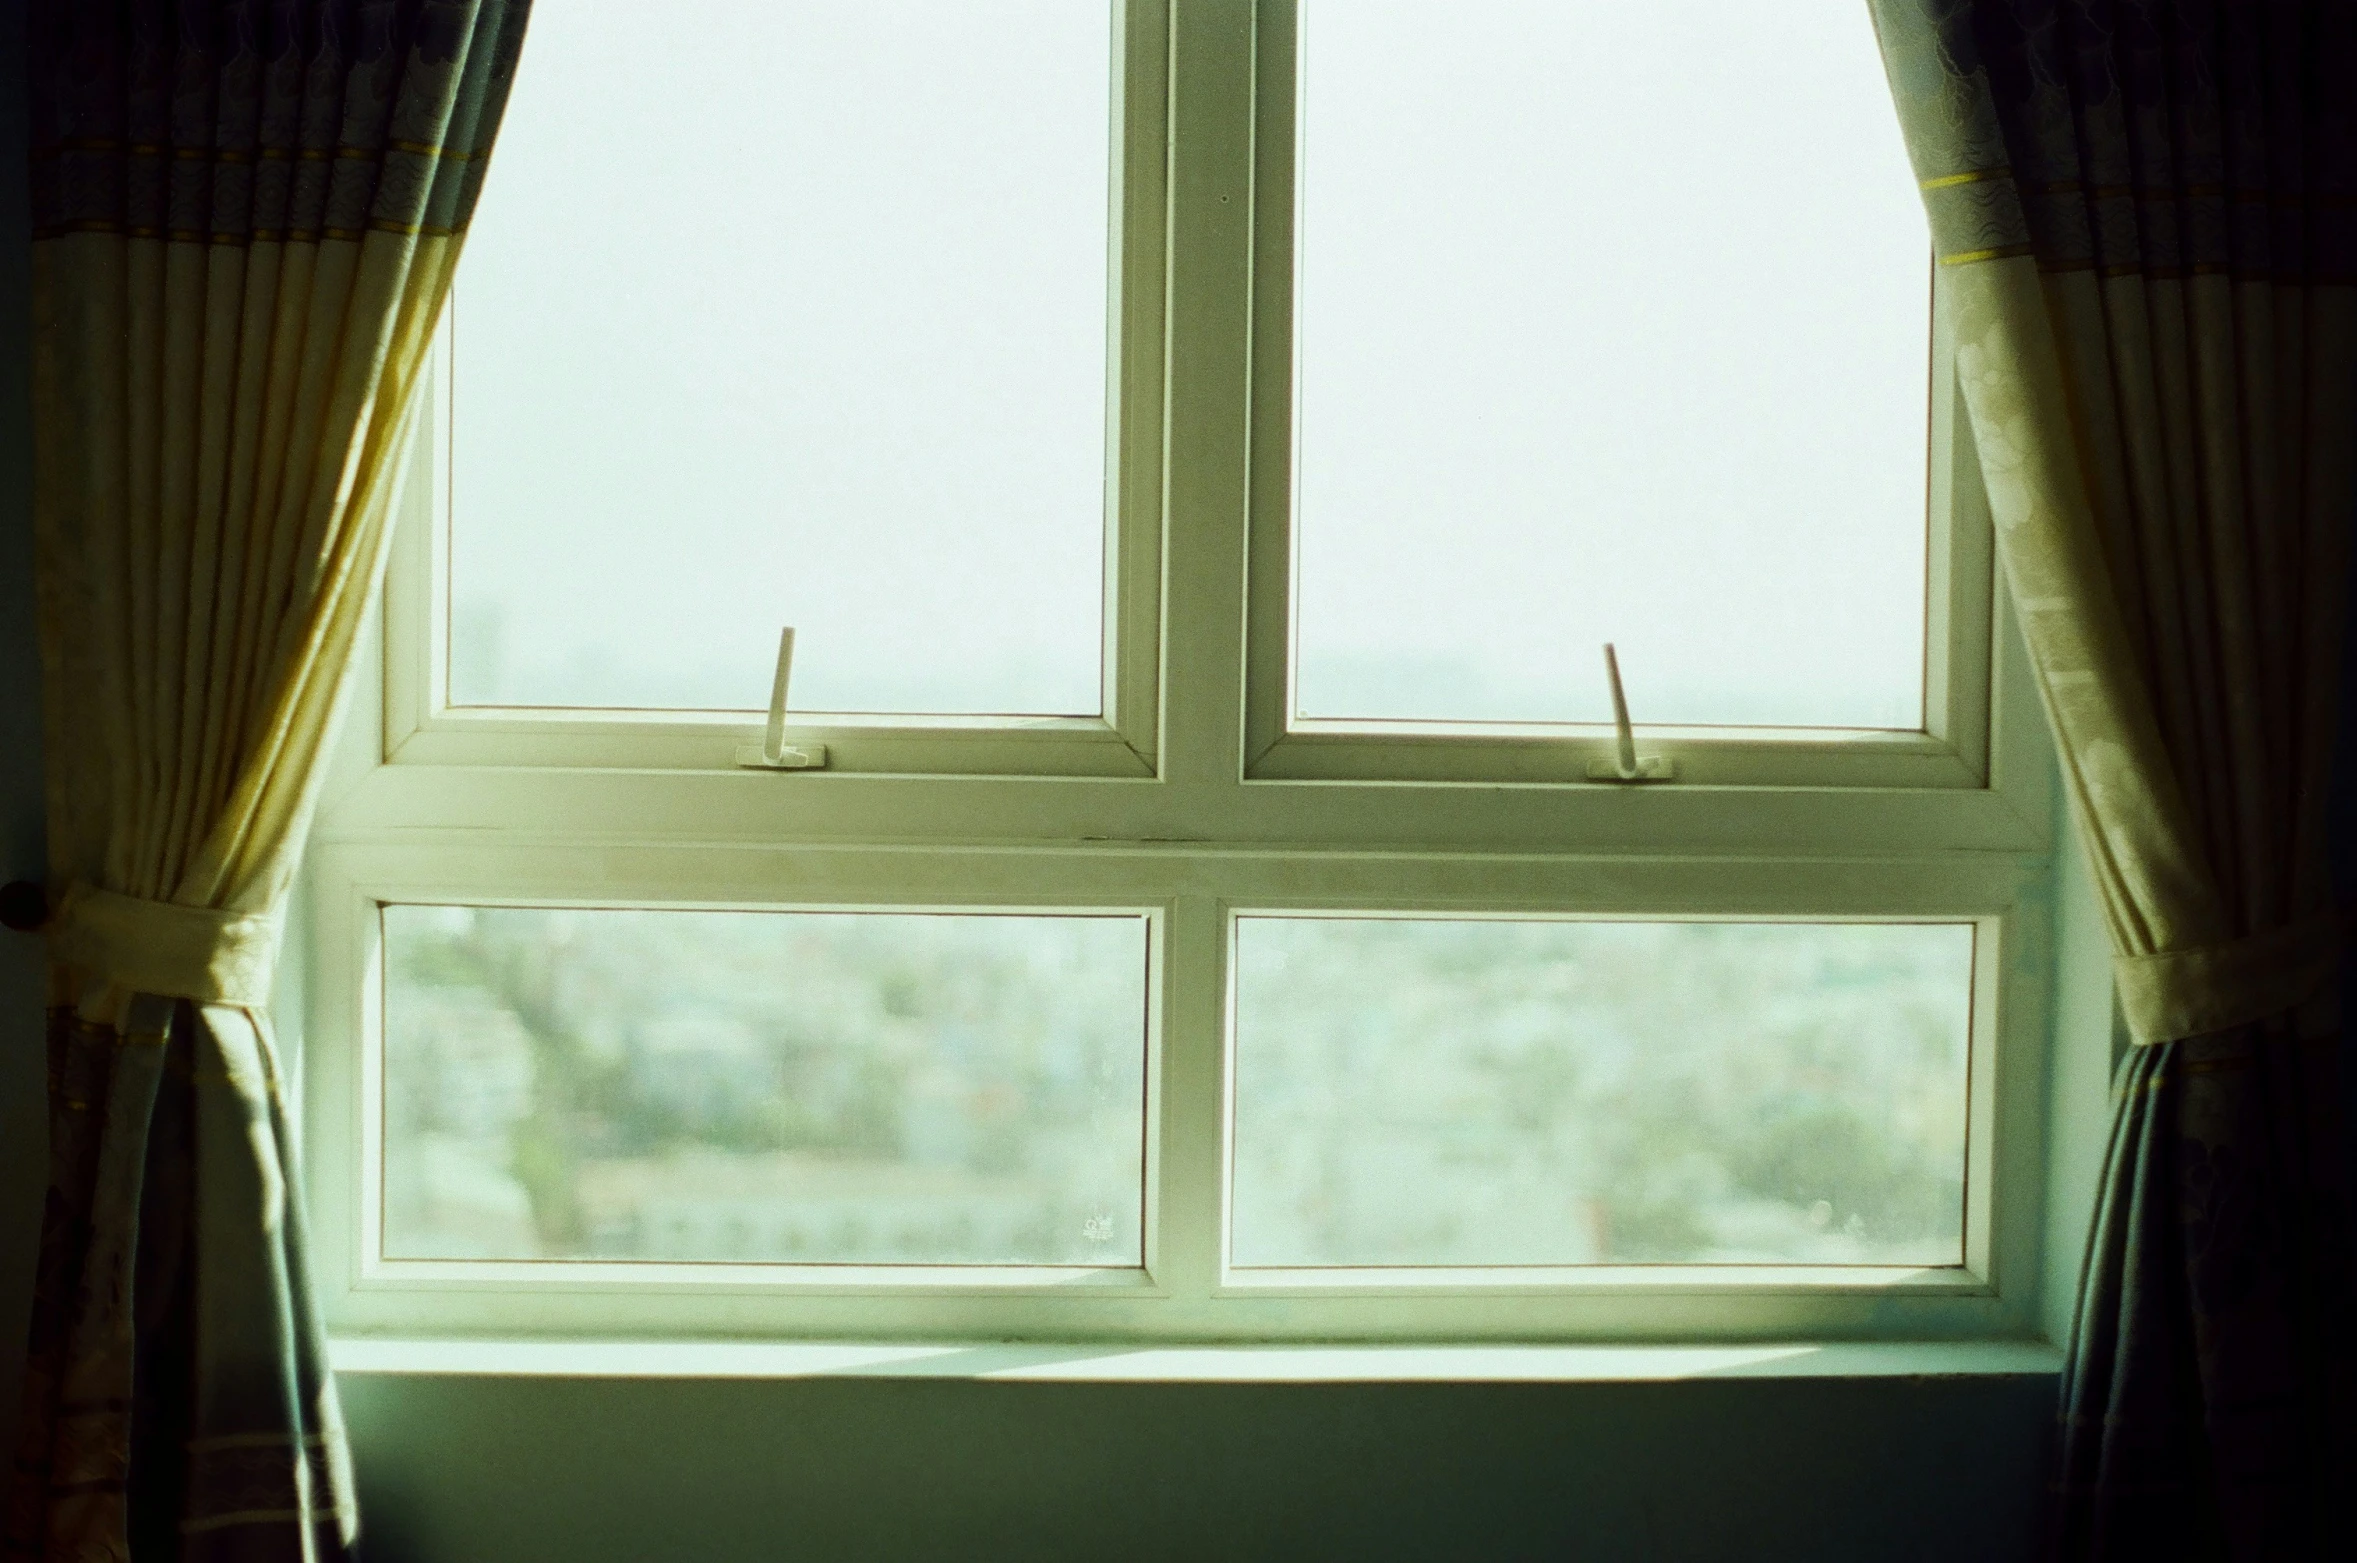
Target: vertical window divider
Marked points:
1208	383
1187	1178
1136	390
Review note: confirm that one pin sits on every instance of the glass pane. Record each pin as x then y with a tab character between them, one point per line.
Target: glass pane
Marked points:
794	315
1613	324
1461	1092
849	1088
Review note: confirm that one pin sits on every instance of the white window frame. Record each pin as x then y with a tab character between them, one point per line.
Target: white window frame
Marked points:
422	726
1188	804
1952	750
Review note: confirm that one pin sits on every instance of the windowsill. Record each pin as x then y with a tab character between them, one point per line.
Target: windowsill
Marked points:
1227	1364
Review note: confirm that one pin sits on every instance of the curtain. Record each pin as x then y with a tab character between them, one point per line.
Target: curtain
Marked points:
245	217
2146	213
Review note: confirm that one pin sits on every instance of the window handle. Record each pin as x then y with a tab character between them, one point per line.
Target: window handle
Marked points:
773	753
1627	765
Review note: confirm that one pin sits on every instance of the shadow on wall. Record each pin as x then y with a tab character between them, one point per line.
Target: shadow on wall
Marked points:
520	1469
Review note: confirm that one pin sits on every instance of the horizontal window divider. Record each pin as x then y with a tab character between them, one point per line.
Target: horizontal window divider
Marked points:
458	868
1762	736
674	1276
1101	1362
605	719
709	741
758	807
661	1277
1725	758
1678	1280
1178	1321
679	1278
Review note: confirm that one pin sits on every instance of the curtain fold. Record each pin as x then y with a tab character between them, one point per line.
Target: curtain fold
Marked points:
246	213
2145	212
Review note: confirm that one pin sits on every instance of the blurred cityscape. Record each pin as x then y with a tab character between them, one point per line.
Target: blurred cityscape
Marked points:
856	1088
891	1088
1478	1092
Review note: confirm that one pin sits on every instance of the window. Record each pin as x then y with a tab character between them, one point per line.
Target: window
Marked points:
879	358
1202	462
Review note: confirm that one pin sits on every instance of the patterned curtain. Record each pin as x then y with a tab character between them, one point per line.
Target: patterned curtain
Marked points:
245	217
2147	214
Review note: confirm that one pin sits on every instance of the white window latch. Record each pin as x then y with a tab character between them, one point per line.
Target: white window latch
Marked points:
1627	765
773	753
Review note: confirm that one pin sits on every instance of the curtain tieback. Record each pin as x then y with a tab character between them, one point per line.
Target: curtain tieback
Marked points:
2215	987
156	947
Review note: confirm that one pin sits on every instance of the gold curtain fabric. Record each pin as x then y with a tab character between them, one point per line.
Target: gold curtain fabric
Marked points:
2160	383
246	213
2147	217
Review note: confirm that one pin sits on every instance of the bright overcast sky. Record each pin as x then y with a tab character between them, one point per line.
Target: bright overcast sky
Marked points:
1613	322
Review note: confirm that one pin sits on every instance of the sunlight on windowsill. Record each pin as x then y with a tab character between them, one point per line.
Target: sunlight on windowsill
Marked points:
1200	1363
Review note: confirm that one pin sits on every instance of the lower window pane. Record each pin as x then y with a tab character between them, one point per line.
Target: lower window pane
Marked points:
1469	1092
847	1088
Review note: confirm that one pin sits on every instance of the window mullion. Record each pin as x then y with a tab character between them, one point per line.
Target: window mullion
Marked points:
1134	391
1208	389
1187	1176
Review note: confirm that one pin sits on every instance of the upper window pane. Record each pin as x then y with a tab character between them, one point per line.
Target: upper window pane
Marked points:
1613	324
792	313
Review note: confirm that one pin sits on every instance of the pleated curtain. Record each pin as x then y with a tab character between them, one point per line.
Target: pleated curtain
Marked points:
2146	211
246	213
